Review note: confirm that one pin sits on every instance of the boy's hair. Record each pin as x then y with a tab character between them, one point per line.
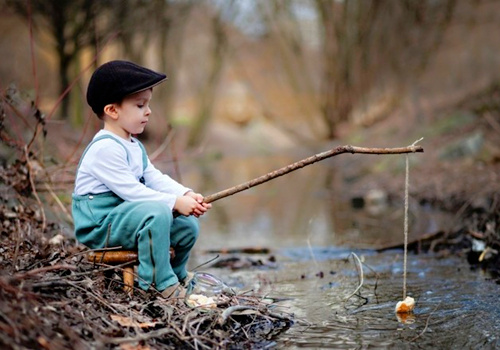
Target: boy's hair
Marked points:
115	80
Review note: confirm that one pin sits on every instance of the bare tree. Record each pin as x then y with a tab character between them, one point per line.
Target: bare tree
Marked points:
207	92
285	36
70	25
363	40
362	45
171	23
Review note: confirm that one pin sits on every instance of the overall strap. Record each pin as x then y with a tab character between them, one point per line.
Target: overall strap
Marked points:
101	138
144	155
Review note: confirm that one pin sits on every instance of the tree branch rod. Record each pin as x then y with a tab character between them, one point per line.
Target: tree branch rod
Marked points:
308	161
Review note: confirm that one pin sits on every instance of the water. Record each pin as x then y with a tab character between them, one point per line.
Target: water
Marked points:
311	223
456	308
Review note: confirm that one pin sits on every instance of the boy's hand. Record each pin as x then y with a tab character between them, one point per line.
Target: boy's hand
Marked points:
191	204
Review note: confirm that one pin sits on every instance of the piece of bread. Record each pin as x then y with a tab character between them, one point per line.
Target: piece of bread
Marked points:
405	306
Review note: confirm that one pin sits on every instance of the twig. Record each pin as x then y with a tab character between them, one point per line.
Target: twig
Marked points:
361	279
140	337
493	123
43	270
95	296
163	146
12	325
18	242
206	262
58	201
32	52
377	276
426	324
33	188
308	161
310	247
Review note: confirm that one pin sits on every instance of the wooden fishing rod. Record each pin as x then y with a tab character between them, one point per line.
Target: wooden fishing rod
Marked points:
307	161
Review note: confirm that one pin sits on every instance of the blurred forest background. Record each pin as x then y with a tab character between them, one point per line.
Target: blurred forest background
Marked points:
254	78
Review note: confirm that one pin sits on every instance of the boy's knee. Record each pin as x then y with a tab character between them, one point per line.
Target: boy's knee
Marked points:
189	227
193	227
194	223
154	210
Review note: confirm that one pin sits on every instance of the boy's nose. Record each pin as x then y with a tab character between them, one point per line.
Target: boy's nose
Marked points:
148	111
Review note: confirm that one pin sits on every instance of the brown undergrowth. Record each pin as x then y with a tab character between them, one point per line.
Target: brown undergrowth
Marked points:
51	297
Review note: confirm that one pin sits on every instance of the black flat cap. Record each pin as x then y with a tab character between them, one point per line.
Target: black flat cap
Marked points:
115	80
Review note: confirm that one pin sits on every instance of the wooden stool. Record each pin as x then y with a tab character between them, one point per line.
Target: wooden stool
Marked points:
129	258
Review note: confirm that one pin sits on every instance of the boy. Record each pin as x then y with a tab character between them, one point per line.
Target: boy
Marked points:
120	198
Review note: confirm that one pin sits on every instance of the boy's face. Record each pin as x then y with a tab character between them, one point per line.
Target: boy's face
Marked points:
133	114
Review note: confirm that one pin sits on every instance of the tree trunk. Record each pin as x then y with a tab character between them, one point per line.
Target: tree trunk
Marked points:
209	89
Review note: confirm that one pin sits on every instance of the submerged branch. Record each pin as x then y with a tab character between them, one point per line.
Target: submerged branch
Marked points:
361	278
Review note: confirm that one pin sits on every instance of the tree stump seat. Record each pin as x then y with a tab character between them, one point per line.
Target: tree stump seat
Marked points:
127	258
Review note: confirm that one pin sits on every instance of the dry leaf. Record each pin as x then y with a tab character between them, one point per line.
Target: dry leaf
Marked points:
134	347
128	322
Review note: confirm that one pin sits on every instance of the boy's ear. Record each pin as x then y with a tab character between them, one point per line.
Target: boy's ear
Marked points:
111	111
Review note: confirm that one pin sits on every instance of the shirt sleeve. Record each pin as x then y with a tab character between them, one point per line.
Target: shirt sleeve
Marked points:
110	166
158	181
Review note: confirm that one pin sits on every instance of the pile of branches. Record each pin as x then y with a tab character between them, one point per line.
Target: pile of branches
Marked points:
51	297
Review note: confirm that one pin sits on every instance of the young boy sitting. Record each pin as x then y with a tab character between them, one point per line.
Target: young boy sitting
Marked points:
120	198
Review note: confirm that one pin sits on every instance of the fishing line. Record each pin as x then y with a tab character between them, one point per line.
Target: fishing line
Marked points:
407	185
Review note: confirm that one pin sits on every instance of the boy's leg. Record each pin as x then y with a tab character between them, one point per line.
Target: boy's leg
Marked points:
183	236
145	226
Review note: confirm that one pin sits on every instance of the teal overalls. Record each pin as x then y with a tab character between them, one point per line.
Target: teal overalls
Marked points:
105	220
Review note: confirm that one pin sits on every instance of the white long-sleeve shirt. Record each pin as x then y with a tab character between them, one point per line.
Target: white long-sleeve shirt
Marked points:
107	167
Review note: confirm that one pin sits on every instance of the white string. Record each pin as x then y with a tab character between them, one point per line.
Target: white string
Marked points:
407	182
407	185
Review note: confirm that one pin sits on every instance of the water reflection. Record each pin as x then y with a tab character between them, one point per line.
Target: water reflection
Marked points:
456	308
319	203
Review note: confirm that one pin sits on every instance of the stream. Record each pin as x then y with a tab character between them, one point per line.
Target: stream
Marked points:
309	224
456	308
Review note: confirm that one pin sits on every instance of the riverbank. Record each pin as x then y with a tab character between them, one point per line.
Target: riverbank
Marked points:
458	173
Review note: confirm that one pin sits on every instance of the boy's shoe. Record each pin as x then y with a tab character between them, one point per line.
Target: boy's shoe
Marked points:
175	291
188	278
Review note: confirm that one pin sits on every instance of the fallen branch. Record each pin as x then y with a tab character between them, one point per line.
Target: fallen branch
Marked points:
426	324
307	161
43	270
